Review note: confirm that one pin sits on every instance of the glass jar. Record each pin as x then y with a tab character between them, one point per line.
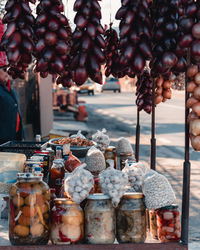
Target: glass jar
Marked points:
131	219
99	220
110	153
67	222
57	175
168	223
153	224
124	157
29	211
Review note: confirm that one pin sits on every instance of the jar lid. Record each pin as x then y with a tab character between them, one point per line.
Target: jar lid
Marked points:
29	176
126	154
133	195
63	201
111	148
98	197
173	206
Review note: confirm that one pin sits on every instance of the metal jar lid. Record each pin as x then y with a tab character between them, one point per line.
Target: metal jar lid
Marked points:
173	206
64	201
133	195
111	149
29	176
98	197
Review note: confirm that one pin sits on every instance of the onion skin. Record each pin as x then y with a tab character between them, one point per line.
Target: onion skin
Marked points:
192	116
158	99
195	142
167	94
197	93
192	71
196	31
195	127
197	78
191	86
191	101
196	108
167	85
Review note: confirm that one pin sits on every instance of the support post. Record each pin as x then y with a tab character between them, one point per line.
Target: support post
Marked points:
137	142
186	175
153	139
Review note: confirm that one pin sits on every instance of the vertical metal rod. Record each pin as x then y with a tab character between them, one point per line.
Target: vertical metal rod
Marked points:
137	142
186	174
153	139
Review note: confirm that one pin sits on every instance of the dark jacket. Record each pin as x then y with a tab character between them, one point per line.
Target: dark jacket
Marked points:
8	116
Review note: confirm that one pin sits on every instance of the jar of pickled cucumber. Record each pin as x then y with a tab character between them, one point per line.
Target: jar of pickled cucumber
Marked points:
29	210
67	222
99	220
168	223
131	219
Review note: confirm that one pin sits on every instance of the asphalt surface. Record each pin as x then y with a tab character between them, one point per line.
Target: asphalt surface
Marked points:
117	113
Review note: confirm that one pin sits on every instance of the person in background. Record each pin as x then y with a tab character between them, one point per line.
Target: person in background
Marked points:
10	120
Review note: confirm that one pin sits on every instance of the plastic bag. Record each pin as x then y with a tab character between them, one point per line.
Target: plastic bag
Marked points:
72	162
123	146
135	176
78	135
95	161
78	184
113	183
157	190
101	139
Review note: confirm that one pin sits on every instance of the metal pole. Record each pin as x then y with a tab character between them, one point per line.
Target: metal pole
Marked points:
186	174
153	139
137	142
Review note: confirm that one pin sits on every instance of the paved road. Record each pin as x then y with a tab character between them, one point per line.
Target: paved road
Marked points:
117	113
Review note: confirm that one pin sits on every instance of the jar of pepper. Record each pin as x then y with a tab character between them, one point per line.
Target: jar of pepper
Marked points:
67	222
168	223
29	211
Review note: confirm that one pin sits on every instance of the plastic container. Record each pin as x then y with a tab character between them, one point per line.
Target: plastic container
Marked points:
29	211
67	222
131	219
99	220
169	224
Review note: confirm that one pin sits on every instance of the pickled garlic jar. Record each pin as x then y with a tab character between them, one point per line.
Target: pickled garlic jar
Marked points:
110	153
153	224
131	219
99	220
29	211
67	222
168	223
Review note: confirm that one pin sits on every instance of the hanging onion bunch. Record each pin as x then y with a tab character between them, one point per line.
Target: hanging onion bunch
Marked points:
193	103
144	92
163	90
88	42
190	28
53	33
168	56
17	40
135	36
111	52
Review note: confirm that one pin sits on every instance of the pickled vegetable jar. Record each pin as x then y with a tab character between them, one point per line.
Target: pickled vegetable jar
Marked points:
99	220
67	222
57	175
169	224
124	157
153	224
29	211
131	219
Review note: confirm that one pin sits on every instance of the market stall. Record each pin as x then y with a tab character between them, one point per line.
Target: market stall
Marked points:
101	194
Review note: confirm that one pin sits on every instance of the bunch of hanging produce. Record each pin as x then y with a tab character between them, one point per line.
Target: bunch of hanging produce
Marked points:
163	90
144	92
193	103
53	34
190	28
88	42
179	82
17	40
135	36
111	52
168	52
